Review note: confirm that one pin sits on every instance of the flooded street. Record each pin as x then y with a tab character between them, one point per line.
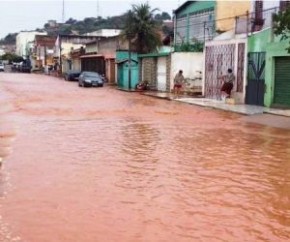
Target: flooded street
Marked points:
98	164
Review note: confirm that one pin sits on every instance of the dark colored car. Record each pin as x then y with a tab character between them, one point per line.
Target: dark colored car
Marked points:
25	66
90	79
1	66
72	75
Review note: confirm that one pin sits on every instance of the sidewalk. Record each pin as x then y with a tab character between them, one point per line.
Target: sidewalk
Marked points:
216	104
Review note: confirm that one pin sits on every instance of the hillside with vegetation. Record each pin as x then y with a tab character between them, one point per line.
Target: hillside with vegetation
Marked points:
9	39
87	25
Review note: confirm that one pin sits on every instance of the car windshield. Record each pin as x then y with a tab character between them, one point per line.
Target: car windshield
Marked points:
91	74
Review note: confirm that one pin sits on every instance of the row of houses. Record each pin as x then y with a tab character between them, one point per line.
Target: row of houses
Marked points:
237	35
209	38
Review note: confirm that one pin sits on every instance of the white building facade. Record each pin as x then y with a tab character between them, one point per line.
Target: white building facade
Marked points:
24	40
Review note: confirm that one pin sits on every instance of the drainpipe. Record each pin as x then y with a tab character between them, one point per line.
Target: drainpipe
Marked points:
175	28
272	25
60	58
204	25
129	65
45	55
247	27
236	23
187	29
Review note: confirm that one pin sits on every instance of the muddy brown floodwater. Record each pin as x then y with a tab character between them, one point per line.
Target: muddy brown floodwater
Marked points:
98	164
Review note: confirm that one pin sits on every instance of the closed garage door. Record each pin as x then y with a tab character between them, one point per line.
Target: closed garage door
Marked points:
282	81
161	74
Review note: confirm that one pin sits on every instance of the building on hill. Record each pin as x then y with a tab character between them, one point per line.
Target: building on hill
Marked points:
105	33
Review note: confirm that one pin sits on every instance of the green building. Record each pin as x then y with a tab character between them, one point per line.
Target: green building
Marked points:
122	60
190	20
269	69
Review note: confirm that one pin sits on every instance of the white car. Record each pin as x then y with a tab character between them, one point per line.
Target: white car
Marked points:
1	66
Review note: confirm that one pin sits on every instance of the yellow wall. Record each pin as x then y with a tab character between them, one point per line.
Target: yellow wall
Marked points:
229	9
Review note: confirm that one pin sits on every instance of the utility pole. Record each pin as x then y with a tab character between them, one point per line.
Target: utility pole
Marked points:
129	65
63	12
98	8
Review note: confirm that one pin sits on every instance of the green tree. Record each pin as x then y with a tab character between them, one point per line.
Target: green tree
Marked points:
165	16
142	29
282	25
162	16
12	57
9	39
71	21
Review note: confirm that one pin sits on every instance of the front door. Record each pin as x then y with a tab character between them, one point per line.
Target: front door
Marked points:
256	78
161	74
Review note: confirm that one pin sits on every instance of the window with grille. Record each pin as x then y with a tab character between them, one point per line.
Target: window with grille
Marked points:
284	5
259	10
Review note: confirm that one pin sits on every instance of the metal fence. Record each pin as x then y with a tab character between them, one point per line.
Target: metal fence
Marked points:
197	31
249	22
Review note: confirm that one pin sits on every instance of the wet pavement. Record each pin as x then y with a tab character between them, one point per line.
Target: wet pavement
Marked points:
98	164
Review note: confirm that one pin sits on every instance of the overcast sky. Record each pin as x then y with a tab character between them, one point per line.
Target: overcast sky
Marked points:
17	15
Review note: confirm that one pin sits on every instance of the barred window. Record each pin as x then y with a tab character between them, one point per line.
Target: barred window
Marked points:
284	5
259	10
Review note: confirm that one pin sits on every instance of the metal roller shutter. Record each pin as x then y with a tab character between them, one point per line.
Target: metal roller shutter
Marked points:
282	81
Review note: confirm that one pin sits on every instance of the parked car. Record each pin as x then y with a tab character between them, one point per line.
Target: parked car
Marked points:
72	75
1	66
24	66
90	79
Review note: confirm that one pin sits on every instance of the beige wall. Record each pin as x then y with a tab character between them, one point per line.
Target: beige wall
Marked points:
110	45
91	48
229	9
76	64
67	47
149	72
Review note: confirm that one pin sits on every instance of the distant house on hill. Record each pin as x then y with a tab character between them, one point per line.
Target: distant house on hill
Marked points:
105	33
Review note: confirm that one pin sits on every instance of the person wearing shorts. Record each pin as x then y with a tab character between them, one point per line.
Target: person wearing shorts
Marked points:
178	80
228	84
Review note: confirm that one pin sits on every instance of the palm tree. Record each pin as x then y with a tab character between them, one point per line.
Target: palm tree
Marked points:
142	29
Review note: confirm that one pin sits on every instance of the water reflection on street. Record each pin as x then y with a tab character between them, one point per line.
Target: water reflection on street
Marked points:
103	165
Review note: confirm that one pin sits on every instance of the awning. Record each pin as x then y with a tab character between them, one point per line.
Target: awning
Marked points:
125	60
153	55
91	56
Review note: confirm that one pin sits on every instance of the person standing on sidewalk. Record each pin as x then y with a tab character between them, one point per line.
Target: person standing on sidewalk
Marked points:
228	84
178	80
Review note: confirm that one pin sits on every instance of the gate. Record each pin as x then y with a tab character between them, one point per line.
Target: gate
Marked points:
256	78
218	59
